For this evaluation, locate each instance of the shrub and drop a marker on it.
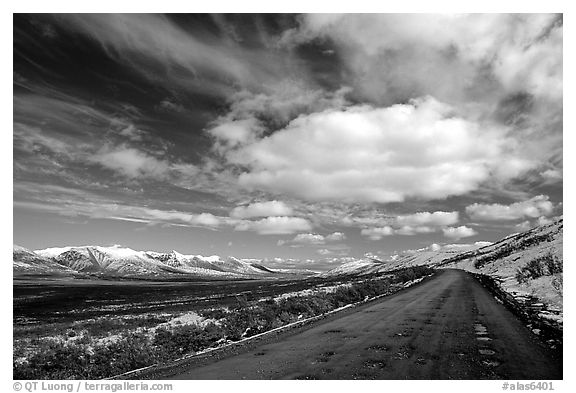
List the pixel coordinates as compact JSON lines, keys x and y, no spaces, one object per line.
{"x":545,"y":265}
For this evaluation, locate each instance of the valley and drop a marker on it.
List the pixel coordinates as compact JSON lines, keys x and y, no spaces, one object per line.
{"x":76,"y":307}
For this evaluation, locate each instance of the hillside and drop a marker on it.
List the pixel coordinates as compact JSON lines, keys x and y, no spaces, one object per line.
{"x":527,"y":265}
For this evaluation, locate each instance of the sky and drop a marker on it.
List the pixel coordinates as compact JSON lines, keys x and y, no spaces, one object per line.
{"x":306,"y":138}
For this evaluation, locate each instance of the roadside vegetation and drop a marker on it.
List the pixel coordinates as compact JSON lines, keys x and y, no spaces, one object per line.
{"x":545,"y":265}
{"x":100,"y":348}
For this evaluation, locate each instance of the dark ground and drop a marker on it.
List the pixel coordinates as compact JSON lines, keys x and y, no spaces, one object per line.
{"x":448,"y":327}
{"x":67,"y":300}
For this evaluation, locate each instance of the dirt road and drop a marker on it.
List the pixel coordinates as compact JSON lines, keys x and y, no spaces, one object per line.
{"x":449,"y":327}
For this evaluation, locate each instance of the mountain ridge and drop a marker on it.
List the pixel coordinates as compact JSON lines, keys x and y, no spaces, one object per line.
{"x":126,"y":262}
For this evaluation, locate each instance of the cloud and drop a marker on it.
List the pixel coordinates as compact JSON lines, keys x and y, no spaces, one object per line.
{"x":262,"y":209}
{"x":427,"y":218}
{"x":454,"y":57}
{"x":71,"y":202}
{"x":313,"y":239}
{"x":459,"y":232}
{"x":528,"y":224}
{"x":523,"y":226}
{"x":412,"y":230}
{"x":275,"y":225}
{"x":461,"y":247}
{"x":131,"y":162}
{"x":336,"y":237}
{"x":365,"y":154}
{"x":552,"y":175}
{"x":251,"y":113}
{"x":408,"y":225}
{"x":309,"y":238}
{"x":155,"y":45}
{"x":532,"y":208}
{"x":378,"y":233}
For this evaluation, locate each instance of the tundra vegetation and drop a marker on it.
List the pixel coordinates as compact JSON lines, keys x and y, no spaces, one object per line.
{"x":105,"y":346}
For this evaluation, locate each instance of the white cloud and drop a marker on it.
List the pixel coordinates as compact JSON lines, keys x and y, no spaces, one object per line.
{"x":458,"y":232}
{"x":427,"y":218}
{"x":412,"y":224}
{"x":532,"y":208}
{"x":146,"y":41}
{"x":377,"y":233}
{"x":365,"y":154}
{"x":313,"y":239}
{"x":459,"y":247}
{"x":412,"y":230}
{"x":275,"y":225}
{"x":544,"y":220}
{"x":309,"y":238}
{"x":235,"y":133}
{"x":523,"y":226}
{"x":450,"y":56}
{"x":552,"y":175}
{"x":262,"y":209}
{"x":131,"y":162}
{"x":336,"y":237}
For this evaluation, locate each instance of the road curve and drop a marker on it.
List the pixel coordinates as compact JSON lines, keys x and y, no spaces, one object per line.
{"x":448,"y":327}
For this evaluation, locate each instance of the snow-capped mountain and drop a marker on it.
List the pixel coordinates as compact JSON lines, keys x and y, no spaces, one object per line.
{"x":28,"y":262}
{"x":126,"y":262}
{"x":356,"y":267}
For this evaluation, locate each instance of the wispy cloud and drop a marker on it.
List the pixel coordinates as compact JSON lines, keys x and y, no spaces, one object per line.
{"x":179,"y":55}
{"x":262,"y":209}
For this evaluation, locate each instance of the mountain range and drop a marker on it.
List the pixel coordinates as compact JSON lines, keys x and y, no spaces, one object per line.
{"x":117,"y":261}
{"x":502,"y":259}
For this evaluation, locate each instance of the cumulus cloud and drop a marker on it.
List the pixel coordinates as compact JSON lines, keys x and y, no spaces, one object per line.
{"x":532,"y":208}
{"x":336,"y":237}
{"x":378,"y":233}
{"x":131,"y":162}
{"x":366,"y":154}
{"x":262,"y":209}
{"x":313,"y":239}
{"x":275,"y":225}
{"x":459,"y":232}
{"x":309,"y":238}
{"x":412,"y":224}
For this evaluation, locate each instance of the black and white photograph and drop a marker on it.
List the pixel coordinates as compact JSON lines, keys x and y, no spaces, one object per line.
{"x":287,"y":196}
